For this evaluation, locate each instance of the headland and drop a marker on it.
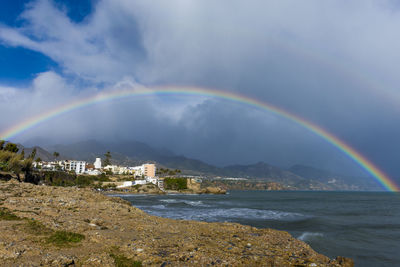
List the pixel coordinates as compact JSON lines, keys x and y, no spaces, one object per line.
{"x":67,"y":226}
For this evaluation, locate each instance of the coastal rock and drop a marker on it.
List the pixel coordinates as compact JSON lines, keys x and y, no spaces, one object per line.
{"x":113,"y":231}
{"x":214,"y":190}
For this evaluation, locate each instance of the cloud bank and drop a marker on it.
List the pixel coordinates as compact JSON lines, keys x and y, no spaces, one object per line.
{"x":332,"y":62}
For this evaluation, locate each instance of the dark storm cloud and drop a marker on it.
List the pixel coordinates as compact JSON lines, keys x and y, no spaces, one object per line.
{"x":332,"y":62}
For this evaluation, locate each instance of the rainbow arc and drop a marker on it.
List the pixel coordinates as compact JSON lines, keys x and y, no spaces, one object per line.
{"x":352,"y":153}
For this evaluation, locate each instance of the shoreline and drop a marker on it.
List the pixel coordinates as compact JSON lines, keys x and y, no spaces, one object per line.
{"x":114,"y":229}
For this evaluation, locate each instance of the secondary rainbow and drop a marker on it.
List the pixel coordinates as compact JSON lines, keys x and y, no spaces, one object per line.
{"x":362,"y":161}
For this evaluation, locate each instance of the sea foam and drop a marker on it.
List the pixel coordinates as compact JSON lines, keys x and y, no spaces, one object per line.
{"x":307,"y":236}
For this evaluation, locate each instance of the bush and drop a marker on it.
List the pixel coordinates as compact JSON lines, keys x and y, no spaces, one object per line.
{"x":102,"y":178}
{"x":64,"y":238}
{"x":37,"y":228}
{"x":7,"y":215}
{"x":122,"y":261}
{"x":83,"y":180}
{"x":175,"y":183}
{"x":58,"y":178}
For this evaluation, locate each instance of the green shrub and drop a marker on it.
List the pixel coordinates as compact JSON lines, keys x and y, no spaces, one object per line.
{"x":175,"y":183}
{"x":58,"y":178}
{"x":83,"y":180}
{"x":7,"y":215}
{"x":37,"y":228}
{"x":122,"y":261}
{"x":102,"y":178}
{"x":64,"y":238}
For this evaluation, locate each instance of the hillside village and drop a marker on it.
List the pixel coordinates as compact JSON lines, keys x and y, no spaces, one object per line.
{"x":143,"y":174}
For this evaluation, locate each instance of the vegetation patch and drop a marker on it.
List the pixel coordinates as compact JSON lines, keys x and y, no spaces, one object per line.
{"x":64,"y":238}
{"x":37,"y":228}
{"x":7,"y":215}
{"x":122,"y":261}
{"x":175,"y":183}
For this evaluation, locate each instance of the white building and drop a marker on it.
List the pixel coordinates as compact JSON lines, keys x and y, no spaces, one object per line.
{"x":78,"y":167}
{"x":113,"y":168}
{"x":97,"y":163}
{"x":148,"y":170}
{"x":152,"y":180}
{"x":93,"y":172}
{"x":139,"y":182}
{"x":50,"y":166}
{"x":125,"y":184}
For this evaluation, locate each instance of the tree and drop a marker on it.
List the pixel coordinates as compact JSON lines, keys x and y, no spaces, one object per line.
{"x":2,"y":144}
{"x":56,"y":155}
{"x":14,"y":165}
{"x":107,"y":161}
{"x":23,"y":153}
{"x":38,"y":159}
{"x":33,"y":154}
{"x":11,"y":147}
{"x":27,"y":170}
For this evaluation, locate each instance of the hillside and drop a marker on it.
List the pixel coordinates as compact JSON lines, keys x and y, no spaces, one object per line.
{"x":135,"y":153}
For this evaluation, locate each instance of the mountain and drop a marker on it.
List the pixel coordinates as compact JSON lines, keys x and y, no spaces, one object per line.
{"x":260,"y":170}
{"x":333,"y":179}
{"x":40,"y":152}
{"x":264,"y":171}
{"x":136,"y":153}
{"x":313,"y":173}
{"x":132,"y":153}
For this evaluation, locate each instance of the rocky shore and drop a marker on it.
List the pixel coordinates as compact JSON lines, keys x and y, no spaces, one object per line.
{"x":65,"y":226}
{"x":150,"y":189}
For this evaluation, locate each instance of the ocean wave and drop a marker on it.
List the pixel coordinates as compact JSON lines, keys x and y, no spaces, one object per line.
{"x":198,"y":203}
{"x":204,"y":214}
{"x":247,"y":213}
{"x":169,"y":200}
{"x":158,"y":207}
{"x":307,"y":236}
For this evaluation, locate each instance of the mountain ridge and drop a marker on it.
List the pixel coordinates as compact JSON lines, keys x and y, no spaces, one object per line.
{"x":135,"y":153}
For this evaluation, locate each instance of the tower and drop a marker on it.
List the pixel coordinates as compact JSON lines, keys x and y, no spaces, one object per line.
{"x":97,"y":163}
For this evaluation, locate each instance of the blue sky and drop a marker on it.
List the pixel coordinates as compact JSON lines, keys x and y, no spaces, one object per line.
{"x":333,"y":63}
{"x":18,"y":65}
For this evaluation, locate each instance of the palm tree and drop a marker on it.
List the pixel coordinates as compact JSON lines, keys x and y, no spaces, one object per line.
{"x":107,"y":161}
{"x":56,"y":155}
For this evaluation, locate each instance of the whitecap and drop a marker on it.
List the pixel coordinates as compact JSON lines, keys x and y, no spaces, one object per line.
{"x":206,"y":214}
{"x":306,"y":236}
{"x":198,"y":203}
{"x":169,"y":200}
{"x":158,"y":207}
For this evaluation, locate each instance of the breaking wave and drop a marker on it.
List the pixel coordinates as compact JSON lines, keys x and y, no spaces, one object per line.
{"x":187,"y":202}
{"x":307,"y":236}
{"x":222,"y":214}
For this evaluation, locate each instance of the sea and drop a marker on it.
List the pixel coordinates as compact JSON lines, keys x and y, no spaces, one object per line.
{"x":364,"y":226}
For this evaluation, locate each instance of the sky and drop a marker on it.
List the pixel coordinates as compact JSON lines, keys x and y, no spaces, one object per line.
{"x":334,"y":63}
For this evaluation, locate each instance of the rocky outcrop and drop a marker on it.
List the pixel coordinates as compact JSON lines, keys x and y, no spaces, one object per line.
{"x":114,"y":231}
{"x":214,"y":190}
{"x":149,"y":189}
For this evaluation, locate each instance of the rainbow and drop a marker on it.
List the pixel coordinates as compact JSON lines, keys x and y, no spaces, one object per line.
{"x":362,"y":161}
